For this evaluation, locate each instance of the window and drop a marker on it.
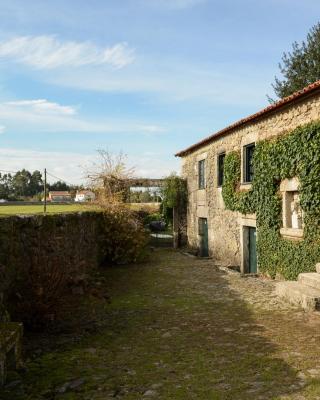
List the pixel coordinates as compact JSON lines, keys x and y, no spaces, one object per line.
{"x":220,"y":168}
{"x":292,"y":216}
{"x":201,"y":170}
{"x":292,"y":213}
{"x":248,"y":163}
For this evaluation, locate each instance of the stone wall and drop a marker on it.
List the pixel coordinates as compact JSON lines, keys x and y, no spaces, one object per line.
{"x":224,"y":225}
{"x":72,"y":239}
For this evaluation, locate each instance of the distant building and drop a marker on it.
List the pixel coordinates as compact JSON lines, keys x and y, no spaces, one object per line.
{"x":83,"y":196}
{"x":60,"y":197}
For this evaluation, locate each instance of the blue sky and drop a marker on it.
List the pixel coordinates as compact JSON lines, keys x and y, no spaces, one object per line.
{"x":146,"y":77}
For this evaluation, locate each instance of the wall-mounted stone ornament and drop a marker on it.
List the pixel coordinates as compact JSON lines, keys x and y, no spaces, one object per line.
{"x":292,"y":214}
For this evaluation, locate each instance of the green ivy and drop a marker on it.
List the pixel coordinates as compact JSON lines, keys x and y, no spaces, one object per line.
{"x":235,"y":199}
{"x":174,"y":191}
{"x":174,"y":195}
{"x":295,"y":154}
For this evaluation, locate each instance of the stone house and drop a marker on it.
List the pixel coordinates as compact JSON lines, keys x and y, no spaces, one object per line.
{"x":83,"y":196}
{"x":229,"y":237}
{"x":59,"y":197}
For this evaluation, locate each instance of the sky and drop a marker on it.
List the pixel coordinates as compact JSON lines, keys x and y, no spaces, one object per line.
{"x":143,"y":77}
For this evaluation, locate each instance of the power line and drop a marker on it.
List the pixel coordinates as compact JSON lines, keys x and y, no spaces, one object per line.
{"x":60,"y":179}
{"x":9,"y":172}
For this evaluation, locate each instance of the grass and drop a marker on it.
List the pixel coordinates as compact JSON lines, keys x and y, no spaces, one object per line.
{"x":38,"y":209}
{"x":176,"y":328}
{"x":66,"y":208}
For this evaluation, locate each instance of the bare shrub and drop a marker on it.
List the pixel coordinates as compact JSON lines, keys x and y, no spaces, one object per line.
{"x":124,"y":237}
{"x":110,"y":177}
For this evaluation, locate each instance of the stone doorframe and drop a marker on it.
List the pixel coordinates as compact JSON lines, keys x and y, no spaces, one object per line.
{"x":245,"y":222}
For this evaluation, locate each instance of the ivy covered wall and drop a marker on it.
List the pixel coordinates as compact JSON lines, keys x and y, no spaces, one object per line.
{"x":296,"y":154}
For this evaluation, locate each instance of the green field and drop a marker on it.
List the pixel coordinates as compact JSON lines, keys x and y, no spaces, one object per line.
{"x":38,"y":209}
{"x":21,"y":209}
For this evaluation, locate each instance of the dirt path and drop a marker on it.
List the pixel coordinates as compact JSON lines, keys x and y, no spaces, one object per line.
{"x":178,"y":328}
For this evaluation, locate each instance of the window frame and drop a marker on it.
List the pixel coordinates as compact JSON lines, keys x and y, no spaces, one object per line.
{"x":220,"y":174}
{"x":248,"y":172}
{"x":202,"y":174}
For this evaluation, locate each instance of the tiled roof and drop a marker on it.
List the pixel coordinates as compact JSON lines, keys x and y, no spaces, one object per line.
{"x":84,"y":191}
{"x":59,"y":193}
{"x":265,"y":111}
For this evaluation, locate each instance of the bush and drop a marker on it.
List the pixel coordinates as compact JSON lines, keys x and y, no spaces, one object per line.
{"x":124,"y":238}
{"x":152,"y":217}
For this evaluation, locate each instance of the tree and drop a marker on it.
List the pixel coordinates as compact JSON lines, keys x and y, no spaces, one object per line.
{"x":5,"y":186}
{"x":21,"y":183}
{"x":110,"y":177}
{"x":35,"y":185}
{"x":174,"y":195}
{"x":301,"y":66}
{"x":59,"y":186}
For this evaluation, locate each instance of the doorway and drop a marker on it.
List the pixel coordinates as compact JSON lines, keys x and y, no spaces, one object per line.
{"x":253,"y":251}
{"x":250,"y":265}
{"x":203,"y":235}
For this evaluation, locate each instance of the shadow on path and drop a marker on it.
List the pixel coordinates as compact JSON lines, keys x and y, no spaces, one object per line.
{"x":174,"y":330}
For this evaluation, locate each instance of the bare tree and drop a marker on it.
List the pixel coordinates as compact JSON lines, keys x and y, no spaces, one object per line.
{"x":110,"y":177}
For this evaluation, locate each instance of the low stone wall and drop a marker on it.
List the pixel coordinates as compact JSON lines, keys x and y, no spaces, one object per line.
{"x":72,"y":239}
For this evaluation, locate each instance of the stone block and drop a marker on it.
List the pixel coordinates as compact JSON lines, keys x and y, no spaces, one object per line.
{"x":311,"y":279}
{"x":295,"y":293}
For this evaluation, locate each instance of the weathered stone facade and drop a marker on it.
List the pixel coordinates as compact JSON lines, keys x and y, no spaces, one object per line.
{"x":225,"y":228}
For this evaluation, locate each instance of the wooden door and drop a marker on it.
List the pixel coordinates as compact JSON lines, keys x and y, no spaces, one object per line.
{"x":252,"y":251}
{"x":203,"y":234}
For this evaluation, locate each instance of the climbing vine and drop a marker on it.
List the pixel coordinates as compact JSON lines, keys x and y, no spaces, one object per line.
{"x":296,"y":154}
{"x":235,"y":199}
{"x":174,"y":194}
{"x":174,"y":190}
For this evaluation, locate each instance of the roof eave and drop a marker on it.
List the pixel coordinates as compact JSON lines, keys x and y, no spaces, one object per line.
{"x":297,"y":96}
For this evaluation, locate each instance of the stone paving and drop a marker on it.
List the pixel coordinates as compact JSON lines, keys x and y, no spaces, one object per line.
{"x":176,"y":328}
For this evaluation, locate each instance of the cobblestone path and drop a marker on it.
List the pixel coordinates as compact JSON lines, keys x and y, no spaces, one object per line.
{"x":176,"y":328}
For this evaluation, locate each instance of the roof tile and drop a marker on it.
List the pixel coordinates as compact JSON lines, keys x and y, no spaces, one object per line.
{"x":279,"y":104}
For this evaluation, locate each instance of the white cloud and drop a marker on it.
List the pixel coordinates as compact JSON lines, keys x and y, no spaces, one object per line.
{"x":2,"y":129}
{"x":68,"y":166}
{"x":47,"y":52}
{"x":45,"y":116}
{"x":175,"y":81}
{"x":43,"y":106}
{"x":71,"y":167}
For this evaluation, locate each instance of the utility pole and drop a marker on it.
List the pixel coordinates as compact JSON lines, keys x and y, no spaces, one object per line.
{"x":45,"y":191}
